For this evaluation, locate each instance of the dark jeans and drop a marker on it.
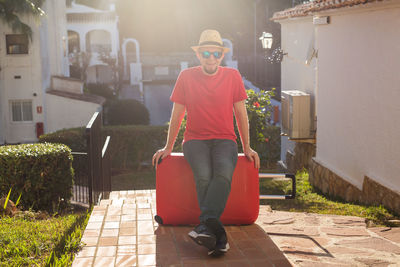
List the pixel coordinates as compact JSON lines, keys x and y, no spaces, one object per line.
{"x":212,"y":162}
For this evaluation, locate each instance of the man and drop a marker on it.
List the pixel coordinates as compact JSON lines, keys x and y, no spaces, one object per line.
{"x":210,"y":94}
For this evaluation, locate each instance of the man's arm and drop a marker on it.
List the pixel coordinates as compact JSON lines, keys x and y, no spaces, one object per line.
{"x":178,"y":112}
{"x":243,"y":125}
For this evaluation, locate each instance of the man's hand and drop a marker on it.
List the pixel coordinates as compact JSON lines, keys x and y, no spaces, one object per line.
{"x":243,"y":126}
{"x":161,"y":153}
{"x":252,"y":156}
{"x":178,"y":111}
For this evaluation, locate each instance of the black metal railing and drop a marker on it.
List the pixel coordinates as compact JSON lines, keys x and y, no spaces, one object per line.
{"x":99,"y":176}
{"x":93,"y":167}
{"x":106,"y":168}
{"x":81,"y":175}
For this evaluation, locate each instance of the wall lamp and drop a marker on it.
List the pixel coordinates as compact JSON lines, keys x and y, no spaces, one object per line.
{"x":277,"y":54}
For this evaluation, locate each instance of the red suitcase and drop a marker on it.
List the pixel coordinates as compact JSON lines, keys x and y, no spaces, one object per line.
{"x":176,"y":196}
{"x":177,"y":199}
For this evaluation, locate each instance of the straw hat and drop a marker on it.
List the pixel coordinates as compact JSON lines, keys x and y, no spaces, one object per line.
{"x":210,"y":38}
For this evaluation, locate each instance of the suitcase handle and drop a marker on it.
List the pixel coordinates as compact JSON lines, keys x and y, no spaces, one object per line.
{"x":280,"y":176}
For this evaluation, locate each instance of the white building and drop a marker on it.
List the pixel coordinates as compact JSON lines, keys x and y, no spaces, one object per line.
{"x":353,"y":81}
{"x":33,"y":97}
{"x":93,"y":31}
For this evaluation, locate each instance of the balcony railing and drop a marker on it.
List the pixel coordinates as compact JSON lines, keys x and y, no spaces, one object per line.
{"x":100,"y":48}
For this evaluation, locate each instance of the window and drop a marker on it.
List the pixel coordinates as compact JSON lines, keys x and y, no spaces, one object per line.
{"x":21,"y":110}
{"x":17,"y":44}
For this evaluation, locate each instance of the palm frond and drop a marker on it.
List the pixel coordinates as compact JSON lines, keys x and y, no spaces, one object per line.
{"x":10,"y":9}
{"x":17,"y":25}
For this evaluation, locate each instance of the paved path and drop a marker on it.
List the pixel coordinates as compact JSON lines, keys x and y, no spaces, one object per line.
{"x":121,"y":232}
{"x":309,"y":239}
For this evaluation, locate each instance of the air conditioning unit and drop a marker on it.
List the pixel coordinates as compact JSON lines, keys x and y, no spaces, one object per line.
{"x":296,"y":117}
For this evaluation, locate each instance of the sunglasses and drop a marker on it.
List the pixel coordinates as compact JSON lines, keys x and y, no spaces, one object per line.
{"x":207,"y":54}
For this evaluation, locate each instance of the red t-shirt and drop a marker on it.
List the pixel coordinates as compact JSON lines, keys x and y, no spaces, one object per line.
{"x":209,"y":102}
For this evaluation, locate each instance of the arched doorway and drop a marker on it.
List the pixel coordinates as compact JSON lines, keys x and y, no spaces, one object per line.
{"x":73,"y":53}
{"x":130,"y":53}
{"x":73,"y":42}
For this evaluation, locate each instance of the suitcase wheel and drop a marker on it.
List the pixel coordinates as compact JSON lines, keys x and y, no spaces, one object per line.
{"x":158,"y":219}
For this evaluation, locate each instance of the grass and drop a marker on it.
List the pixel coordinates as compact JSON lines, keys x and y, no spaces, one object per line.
{"x":308,"y":199}
{"x":134,"y":180}
{"x":31,"y":239}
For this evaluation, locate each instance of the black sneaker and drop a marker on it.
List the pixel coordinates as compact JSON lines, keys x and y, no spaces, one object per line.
{"x":202,"y":236}
{"x":221,"y":247}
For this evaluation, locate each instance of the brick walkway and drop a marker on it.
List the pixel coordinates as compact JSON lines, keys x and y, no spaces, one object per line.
{"x":121,"y":232}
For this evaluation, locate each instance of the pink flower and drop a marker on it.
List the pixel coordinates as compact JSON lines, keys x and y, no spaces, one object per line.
{"x":256,"y":104}
{"x":266,"y":139}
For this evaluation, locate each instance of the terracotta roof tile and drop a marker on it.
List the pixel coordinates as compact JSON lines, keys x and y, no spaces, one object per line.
{"x":317,"y":5}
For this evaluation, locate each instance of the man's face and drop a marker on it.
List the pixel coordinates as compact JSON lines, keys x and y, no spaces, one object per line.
{"x":210,"y":64}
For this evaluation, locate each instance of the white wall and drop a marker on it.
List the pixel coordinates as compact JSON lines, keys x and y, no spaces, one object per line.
{"x":69,"y":85}
{"x":23,"y":88}
{"x":359,"y":96}
{"x":68,"y":113}
{"x":28,"y":68}
{"x":45,"y":58}
{"x":296,"y":38}
{"x":84,"y":28}
{"x":56,"y":47}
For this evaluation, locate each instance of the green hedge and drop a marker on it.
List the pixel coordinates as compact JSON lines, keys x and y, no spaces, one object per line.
{"x":75,"y":139}
{"x":133,"y":145}
{"x":100,"y":89}
{"x":127,"y":112}
{"x":41,"y":173}
{"x":268,"y":147}
{"x":130,"y":145}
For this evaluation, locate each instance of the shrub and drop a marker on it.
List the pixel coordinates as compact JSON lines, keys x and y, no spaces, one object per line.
{"x":100,"y":89}
{"x":179,"y":139}
{"x":258,"y":107}
{"x":264,"y":138}
{"x":75,"y":139}
{"x":269,"y":149}
{"x":41,"y":172}
{"x":127,"y":111}
{"x":130,"y":145}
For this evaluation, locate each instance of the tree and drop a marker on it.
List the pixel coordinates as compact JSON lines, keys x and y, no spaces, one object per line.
{"x":10,"y":10}
{"x":79,"y":62}
{"x":116,"y":68}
